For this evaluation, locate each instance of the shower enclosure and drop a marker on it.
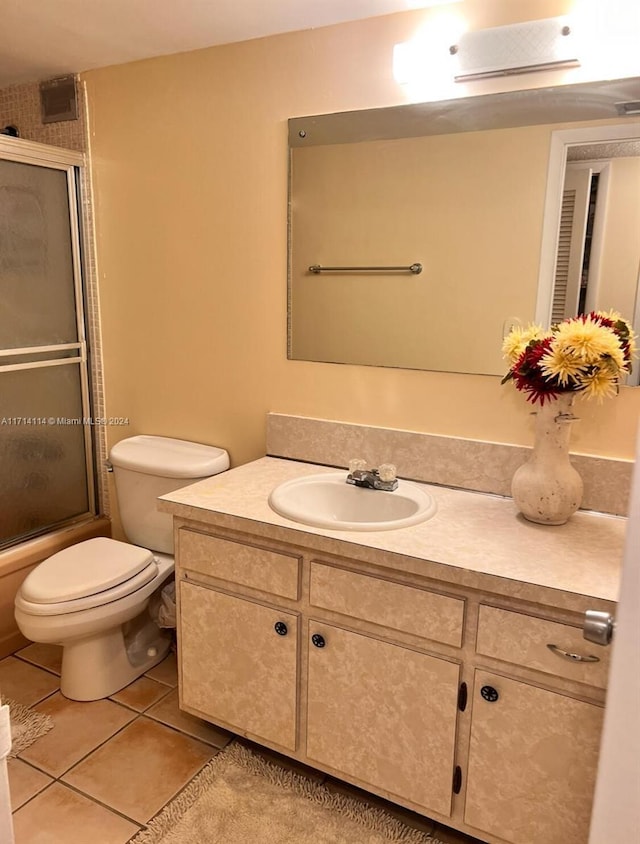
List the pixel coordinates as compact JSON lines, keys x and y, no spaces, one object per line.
{"x":46,"y":450}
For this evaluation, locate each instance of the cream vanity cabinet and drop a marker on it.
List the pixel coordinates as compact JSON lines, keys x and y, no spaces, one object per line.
{"x":248,"y":653}
{"x":379,"y":712}
{"x":382,"y":714}
{"x":533,"y":750}
{"x":239,"y":656}
{"x":423,"y":692}
{"x":532,"y":762}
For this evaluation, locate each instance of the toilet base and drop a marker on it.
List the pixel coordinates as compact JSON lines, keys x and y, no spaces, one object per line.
{"x":97,"y":666}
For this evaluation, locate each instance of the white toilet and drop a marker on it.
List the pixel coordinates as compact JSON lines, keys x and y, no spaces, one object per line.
{"x":92,"y":598}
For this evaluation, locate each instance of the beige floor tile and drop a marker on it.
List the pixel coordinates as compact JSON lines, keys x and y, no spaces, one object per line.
{"x":138,"y":771}
{"x":168,"y":712}
{"x":24,"y":682}
{"x":60,"y":816}
{"x":45,"y":656}
{"x":78,"y":728}
{"x":24,"y":782}
{"x":141,"y":694}
{"x":166,"y":671}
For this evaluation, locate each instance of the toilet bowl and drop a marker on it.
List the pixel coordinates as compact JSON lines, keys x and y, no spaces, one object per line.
{"x":68,"y":601}
{"x":93,"y":597}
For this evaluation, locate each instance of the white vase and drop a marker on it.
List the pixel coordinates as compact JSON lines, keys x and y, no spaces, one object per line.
{"x":547,"y":489}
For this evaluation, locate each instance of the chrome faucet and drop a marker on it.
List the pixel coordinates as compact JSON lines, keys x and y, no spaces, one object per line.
{"x":384,"y":477}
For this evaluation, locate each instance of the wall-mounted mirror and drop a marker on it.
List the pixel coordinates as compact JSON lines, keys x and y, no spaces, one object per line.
{"x":461,"y":188}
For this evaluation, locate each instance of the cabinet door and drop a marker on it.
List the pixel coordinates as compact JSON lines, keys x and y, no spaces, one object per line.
{"x":532,"y":763}
{"x":383,"y":714}
{"x":236,"y":667}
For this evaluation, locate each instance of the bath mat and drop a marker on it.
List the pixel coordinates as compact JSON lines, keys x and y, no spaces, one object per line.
{"x":240,"y":797}
{"x":26,"y":726}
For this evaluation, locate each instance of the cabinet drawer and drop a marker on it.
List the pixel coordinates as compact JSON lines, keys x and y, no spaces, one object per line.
{"x":393,"y":605}
{"x":269,"y":571}
{"x":523,"y":639}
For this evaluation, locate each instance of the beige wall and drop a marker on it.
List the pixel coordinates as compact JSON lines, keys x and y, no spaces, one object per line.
{"x":469,"y":206}
{"x":620,"y":259}
{"x":190,"y":177}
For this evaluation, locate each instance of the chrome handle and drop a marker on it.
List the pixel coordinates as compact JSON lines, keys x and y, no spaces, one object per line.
{"x":573,"y":657}
{"x":598,"y":627}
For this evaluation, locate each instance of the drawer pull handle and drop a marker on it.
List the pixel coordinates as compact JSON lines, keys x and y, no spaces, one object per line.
{"x":573,"y":657}
{"x":281,"y":628}
{"x":318,"y":641}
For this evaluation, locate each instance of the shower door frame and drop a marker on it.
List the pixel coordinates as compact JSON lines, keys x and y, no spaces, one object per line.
{"x":70,"y":162}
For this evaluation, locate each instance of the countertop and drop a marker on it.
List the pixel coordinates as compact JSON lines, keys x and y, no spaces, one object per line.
{"x":475,"y":539}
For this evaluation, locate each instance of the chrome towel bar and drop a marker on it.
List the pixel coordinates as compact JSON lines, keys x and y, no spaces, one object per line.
{"x":416,"y":269}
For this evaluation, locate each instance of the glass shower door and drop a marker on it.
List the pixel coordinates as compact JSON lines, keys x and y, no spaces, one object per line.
{"x":46,"y":474}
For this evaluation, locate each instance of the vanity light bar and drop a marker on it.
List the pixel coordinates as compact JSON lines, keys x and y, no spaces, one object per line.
{"x":518,"y":48}
{"x":531,"y":68}
{"x":416,"y":269}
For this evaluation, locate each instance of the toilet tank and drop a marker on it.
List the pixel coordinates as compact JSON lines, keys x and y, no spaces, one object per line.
{"x":145,"y":467}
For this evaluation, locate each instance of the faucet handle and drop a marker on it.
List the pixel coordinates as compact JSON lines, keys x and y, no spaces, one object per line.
{"x":356,"y":464}
{"x":387,"y":472}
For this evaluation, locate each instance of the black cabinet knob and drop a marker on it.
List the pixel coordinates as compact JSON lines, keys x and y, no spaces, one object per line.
{"x":489,"y":694}
{"x":281,"y":628}
{"x":318,"y":640}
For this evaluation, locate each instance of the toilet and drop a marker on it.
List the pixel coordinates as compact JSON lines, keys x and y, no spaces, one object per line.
{"x":92,"y":598}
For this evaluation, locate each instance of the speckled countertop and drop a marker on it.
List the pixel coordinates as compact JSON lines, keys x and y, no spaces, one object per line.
{"x":474,"y":539}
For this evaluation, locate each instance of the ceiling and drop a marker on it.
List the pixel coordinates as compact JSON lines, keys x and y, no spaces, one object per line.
{"x":46,"y":38}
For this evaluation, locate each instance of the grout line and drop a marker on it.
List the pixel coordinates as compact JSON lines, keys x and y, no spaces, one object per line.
{"x":82,"y":758}
{"x":183,"y":733}
{"x":97,"y":747}
{"x":33,"y":796}
{"x":186,"y":785}
{"x":131,"y":707}
{"x":139,"y":824}
{"x":36,"y":664}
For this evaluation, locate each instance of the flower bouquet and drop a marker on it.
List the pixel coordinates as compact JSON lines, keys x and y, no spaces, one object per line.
{"x":588,"y":354}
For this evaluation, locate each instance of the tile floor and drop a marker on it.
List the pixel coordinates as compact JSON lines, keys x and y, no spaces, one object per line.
{"x":108,"y":766}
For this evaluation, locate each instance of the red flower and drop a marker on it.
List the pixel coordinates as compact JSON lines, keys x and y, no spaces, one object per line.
{"x":528,"y":376}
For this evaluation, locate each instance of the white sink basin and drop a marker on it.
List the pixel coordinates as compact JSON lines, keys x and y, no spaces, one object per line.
{"x":328,"y":501}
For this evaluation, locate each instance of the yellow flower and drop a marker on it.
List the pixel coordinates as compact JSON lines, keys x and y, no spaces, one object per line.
{"x":599,"y":384}
{"x":518,"y":339}
{"x":589,"y":342}
{"x":561,"y":363}
{"x":631,"y":338}
{"x":614,"y":316}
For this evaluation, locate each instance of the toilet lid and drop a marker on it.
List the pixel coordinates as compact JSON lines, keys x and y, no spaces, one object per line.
{"x":85,"y":569}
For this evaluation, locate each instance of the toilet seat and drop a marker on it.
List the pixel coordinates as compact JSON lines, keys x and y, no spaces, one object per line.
{"x":89,"y":574}
{"x":91,"y":601}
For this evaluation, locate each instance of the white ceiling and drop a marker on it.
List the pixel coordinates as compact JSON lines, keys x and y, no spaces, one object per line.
{"x":40,"y":39}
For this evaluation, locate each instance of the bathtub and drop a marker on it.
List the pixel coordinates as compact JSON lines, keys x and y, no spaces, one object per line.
{"x":17,"y":562}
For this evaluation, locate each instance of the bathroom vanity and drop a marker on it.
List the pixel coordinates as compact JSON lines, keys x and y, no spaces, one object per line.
{"x":414,"y":663}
